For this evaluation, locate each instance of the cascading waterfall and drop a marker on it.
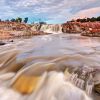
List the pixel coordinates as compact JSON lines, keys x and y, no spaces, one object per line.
{"x":50,"y":28}
{"x":36,"y":27}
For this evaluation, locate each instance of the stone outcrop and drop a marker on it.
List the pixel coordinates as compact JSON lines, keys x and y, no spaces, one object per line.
{"x":14,"y":29}
{"x":86,"y":29}
{"x":15,"y":26}
{"x":91,"y":29}
{"x":5,"y":35}
{"x":71,"y":27}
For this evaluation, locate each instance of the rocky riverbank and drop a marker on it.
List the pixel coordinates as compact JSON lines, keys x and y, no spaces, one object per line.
{"x":92,"y":29}
{"x":86,"y":29}
{"x":71,"y":27}
{"x":10,"y":30}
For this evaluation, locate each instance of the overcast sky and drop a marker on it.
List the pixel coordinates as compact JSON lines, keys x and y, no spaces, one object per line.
{"x":51,"y":11}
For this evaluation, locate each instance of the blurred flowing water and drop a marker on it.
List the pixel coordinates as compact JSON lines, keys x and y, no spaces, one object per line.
{"x":45,"y":59}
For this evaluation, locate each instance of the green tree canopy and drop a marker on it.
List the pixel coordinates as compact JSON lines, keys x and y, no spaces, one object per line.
{"x":13,"y":20}
{"x":19,"y":19}
{"x":98,"y":18}
{"x":93,"y":19}
{"x":26,"y":20}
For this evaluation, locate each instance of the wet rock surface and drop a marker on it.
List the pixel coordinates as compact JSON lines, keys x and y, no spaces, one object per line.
{"x":91,"y":29}
{"x":97,"y":88}
{"x":2,"y":43}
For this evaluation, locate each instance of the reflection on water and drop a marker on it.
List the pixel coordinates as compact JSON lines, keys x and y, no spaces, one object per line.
{"x":46,"y":67}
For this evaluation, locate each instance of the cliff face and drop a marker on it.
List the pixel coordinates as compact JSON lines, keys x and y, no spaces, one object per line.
{"x":15,"y":29}
{"x":5,"y":35}
{"x":71,"y":27}
{"x":11,"y":29}
{"x":9,"y":26}
{"x":86,"y":29}
{"x":91,"y":29}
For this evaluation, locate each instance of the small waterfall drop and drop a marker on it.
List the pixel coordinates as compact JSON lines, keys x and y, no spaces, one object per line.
{"x":49,"y":28}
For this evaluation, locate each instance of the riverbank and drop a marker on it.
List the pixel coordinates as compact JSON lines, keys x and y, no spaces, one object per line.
{"x":91,"y":29}
{"x":11,"y":30}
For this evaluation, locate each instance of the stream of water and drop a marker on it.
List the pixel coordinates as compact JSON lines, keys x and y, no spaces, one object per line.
{"x":48,"y":67}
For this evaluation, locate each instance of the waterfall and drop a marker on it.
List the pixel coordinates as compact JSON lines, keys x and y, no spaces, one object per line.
{"x":35,"y":27}
{"x":53,"y":28}
{"x":50,"y":28}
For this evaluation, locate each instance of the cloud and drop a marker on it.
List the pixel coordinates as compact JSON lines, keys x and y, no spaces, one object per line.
{"x":88,"y":13}
{"x":50,"y":10}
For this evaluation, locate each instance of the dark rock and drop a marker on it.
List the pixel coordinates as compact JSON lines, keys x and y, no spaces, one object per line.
{"x":2,"y":43}
{"x":11,"y":41}
{"x":97,"y":88}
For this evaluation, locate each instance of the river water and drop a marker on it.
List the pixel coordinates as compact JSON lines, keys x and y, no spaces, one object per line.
{"x":45,"y":60}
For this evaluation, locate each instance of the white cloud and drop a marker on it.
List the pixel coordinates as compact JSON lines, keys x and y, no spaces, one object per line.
{"x":50,"y":9}
{"x":88,"y":13}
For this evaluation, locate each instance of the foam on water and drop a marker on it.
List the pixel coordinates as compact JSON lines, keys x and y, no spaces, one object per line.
{"x":48,"y":57}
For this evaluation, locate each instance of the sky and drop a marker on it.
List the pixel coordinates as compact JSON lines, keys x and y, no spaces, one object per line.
{"x":50,"y":11}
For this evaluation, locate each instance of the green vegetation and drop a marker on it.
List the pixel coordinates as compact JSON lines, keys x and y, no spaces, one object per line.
{"x":93,"y":19}
{"x":13,"y":20}
{"x":42,"y":23}
{"x":26,"y":20}
{"x":22,"y":20}
{"x":19,"y":19}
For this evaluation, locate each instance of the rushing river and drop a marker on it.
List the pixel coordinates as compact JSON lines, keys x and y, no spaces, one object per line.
{"x":48,"y":67}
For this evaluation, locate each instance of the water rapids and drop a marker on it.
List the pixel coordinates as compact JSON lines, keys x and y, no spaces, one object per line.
{"x":50,"y":67}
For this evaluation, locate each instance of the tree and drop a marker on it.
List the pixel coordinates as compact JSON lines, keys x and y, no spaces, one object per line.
{"x":7,"y":20}
{"x":26,"y":20}
{"x":13,"y":20}
{"x":42,"y":22}
{"x":88,"y":19}
{"x":83,"y":20}
{"x":98,"y":18}
{"x":19,"y":19}
{"x":78,"y":20}
{"x":93,"y":19}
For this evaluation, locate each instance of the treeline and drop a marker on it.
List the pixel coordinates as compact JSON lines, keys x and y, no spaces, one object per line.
{"x":19,"y":19}
{"x":93,"y":19}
